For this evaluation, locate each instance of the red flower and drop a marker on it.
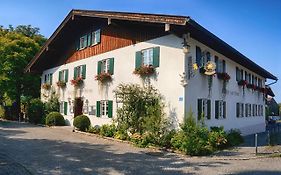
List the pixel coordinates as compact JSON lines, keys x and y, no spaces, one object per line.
{"x":242,"y":83}
{"x":102,"y":77}
{"x":77,"y":82}
{"x":223,"y":76}
{"x":144,"y":70}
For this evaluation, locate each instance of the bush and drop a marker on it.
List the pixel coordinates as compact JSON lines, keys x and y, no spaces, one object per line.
{"x":2,"y":112}
{"x":121,"y":134}
{"x":82,"y":122}
{"x":108,"y":130}
{"x":234,"y":138}
{"x":35,"y":111}
{"x":94,"y":130}
{"x":52,"y":105}
{"x":217,"y":138}
{"x":55,"y":119}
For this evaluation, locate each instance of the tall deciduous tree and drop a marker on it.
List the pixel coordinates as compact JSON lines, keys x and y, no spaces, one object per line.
{"x":17,"y":47}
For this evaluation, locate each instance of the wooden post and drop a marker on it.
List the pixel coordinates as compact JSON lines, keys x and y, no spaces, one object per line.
{"x":256,"y":143}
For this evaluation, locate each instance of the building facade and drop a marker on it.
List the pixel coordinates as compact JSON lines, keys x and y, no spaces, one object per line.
{"x":93,"y":52}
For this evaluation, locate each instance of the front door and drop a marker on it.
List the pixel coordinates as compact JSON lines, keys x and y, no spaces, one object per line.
{"x":78,"y":106}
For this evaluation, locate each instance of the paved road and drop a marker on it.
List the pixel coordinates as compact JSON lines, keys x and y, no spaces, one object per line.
{"x":27,"y":149}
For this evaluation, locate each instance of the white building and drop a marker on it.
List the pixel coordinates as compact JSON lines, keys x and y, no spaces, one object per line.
{"x":88,"y":43}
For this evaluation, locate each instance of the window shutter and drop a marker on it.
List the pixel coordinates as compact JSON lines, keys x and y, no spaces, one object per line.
{"x":217,"y":109}
{"x":138,"y":60}
{"x":237,"y":74}
{"x":60,"y":75}
{"x":89,"y":39}
{"x":208,"y":56}
{"x":65,"y":108}
{"x":85,"y":41}
{"x":98,"y":109}
{"x":156,"y":55}
{"x":45,"y":78}
{"x":209,"y":109}
{"x":77,"y":44}
{"x":199,"y":108}
{"x":110,"y":109}
{"x":241,"y":75}
{"x":217,"y":64}
{"x":198,"y":56}
{"x":66,"y":75}
{"x":75,"y":73}
{"x":223,"y":66}
{"x":111,"y":66}
{"x":224,"y":109}
{"x":99,"y":67}
{"x":237,"y":110}
{"x":242,"y":109}
{"x":51,"y":79}
{"x":84,"y":71}
{"x":98,"y":36}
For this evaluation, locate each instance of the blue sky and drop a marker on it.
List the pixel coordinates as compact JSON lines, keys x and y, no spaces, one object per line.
{"x":253,"y":27}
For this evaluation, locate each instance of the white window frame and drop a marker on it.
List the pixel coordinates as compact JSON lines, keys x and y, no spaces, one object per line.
{"x":104,"y":108}
{"x":63,"y":75}
{"x":204,"y":108}
{"x":105,"y":65}
{"x":221,"y":109}
{"x":82,"y":41}
{"x":147,"y":56}
{"x":79,"y":70}
{"x":47,"y":78}
{"x":61,"y":107}
{"x":241,"y":110}
{"x":94,"y":37}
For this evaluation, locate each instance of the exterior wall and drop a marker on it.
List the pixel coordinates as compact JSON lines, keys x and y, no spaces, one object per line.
{"x":168,"y":81}
{"x":198,"y":88}
{"x":167,"y":78}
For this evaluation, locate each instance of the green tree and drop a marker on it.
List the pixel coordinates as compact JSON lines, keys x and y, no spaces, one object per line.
{"x":17,"y":47}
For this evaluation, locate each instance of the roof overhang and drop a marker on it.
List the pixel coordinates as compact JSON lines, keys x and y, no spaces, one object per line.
{"x":176,"y":24}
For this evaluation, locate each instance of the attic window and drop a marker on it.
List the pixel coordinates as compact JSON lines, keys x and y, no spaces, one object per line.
{"x":90,"y":39}
{"x":96,"y":37}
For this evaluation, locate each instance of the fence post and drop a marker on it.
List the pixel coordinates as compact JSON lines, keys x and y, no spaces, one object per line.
{"x":268,"y":137}
{"x":256,"y":143}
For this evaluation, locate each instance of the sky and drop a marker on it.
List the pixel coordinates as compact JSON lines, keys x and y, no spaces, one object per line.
{"x":253,"y":27}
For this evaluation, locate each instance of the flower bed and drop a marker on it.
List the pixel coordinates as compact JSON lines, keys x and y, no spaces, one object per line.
{"x":77,"y":82}
{"x":103,"y":77}
{"x":223,"y":76}
{"x":144,"y":70}
{"x":61,"y":84}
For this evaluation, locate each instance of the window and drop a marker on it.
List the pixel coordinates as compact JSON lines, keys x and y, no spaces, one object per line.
{"x":248,"y":110}
{"x":63,"y":107}
{"x":239,"y":74}
{"x":239,"y":110}
{"x":204,"y":108}
{"x":95,"y":37}
{"x":104,"y":108}
{"x":48,"y":78}
{"x":220,"y":109}
{"x":198,"y":56}
{"x":255,"y":110}
{"x":148,"y":57}
{"x":63,"y":75}
{"x":106,"y":66}
{"x":80,"y":71}
{"x":249,"y":78}
{"x":220,"y":65}
{"x":83,"y":42}
{"x":259,"y":82}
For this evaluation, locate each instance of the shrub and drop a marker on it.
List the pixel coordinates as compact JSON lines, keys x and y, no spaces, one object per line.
{"x":94,"y":130}
{"x":234,"y":137}
{"x":165,"y":139}
{"x":108,"y":130}
{"x":121,"y":134}
{"x":55,"y":119}
{"x":52,"y":105}
{"x":82,"y":122}
{"x":2,"y":112}
{"x":35,"y":111}
{"x":217,"y":138}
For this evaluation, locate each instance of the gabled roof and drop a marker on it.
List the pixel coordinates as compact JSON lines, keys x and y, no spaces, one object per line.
{"x":180,"y":25}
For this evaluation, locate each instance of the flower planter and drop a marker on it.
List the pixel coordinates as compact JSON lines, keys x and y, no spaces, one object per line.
{"x":46,"y":86}
{"x":242,"y":83}
{"x":144,"y":70}
{"x":77,"y":82}
{"x":103,"y":77}
{"x":61,"y":84}
{"x":223,"y":76}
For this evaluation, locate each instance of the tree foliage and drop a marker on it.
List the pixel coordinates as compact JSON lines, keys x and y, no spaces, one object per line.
{"x":17,"y":47}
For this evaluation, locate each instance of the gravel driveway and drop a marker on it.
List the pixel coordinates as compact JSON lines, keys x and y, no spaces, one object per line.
{"x":30,"y":149}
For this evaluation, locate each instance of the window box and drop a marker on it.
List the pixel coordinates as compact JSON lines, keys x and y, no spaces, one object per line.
{"x":223,"y":76}
{"x":46,"y":86}
{"x":77,"y":82}
{"x":61,"y":84}
{"x":144,"y":70}
{"x":242,"y":83}
{"x":103,"y":77}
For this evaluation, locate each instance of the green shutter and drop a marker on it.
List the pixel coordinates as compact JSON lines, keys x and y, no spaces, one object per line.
{"x":98,"y":36}
{"x":89,"y":39}
{"x":223,"y":66}
{"x":224,"y":109}
{"x":66,"y":75}
{"x":65,"y":108}
{"x":75,"y":73}
{"x":217,"y":109}
{"x":85,"y":41}
{"x":111,"y":66}
{"x":237,"y":74}
{"x":110,"y":109}
{"x":237,"y":110}
{"x":51,"y":79}
{"x":209,"y":109}
{"x":98,"y":109}
{"x":84,"y":71}
{"x":60,"y":74}
{"x":77,"y":44}
{"x":156,"y":55}
{"x":138,"y":60}
{"x":99,"y":67}
{"x":199,"y":108}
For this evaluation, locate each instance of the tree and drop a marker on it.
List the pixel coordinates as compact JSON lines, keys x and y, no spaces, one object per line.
{"x":17,"y":47}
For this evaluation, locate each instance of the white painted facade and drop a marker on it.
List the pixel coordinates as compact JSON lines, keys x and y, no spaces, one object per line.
{"x":178,"y":99}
